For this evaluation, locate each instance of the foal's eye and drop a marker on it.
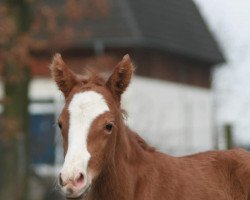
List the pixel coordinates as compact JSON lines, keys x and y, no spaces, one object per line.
{"x":109,"y":127}
{"x":60,"y":125}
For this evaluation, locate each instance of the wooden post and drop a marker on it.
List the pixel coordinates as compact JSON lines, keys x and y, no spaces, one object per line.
{"x":228,"y":136}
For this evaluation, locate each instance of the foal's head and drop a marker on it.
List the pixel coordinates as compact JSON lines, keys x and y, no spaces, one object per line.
{"x":88,"y":122}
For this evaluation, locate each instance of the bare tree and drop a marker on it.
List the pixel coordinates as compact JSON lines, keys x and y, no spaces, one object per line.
{"x":22,"y":22}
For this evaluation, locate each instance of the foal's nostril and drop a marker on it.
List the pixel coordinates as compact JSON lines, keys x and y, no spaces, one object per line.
{"x":80,"y":179}
{"x":77,"y":182}
{"x":70,"y":190}
{"x":61,"y":183}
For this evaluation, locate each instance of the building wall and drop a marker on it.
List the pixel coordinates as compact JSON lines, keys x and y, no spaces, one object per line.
{"x":175,"y":118}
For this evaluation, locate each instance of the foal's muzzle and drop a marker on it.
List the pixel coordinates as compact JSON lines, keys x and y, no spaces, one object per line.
{"x":74,"y":187}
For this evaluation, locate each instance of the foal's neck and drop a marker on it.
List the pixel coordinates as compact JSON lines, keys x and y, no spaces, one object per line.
{"x":118,"y":179}
{"x":131,"y":147}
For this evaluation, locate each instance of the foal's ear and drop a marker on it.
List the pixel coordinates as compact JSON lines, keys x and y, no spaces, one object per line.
{"x":63,"y":76}
{"x":121,"y":76}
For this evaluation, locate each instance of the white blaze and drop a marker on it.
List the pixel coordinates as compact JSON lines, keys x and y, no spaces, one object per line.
{"x":84,"y":108}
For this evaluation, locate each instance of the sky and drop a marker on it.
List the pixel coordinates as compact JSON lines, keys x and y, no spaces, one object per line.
{"x":229,"y":21}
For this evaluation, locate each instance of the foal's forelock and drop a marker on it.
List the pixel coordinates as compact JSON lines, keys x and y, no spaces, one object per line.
{"x":83,"y":109}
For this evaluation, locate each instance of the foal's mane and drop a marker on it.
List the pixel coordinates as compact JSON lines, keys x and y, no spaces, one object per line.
{"x":137,"y":139}
{"x":142,"y":143}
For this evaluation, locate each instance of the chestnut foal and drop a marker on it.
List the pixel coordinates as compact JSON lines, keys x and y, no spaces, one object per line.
{"x":105,"y":160}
